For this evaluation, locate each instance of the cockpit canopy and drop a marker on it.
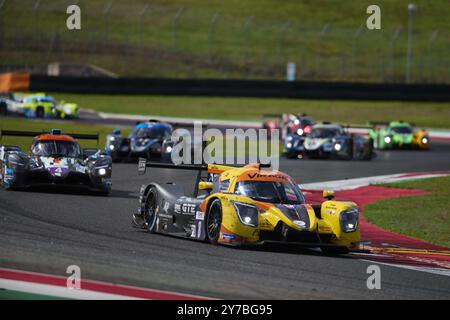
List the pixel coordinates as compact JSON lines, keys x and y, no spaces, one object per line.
{"x":156,"y":132}
{"x":270,"y":191}
{"x":326,"y":132}
{"x":56,"y":148}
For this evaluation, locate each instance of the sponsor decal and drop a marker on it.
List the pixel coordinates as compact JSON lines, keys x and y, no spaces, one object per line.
{"x":199,"y":215}
{"x":299,"y":223}
{"x":193,"y":231}
{"x":166,"y":206}
{"x":228,"y":236}
{"x":259,"y":175}
{"x":199,"y":229}
{"x":188,"y":208}
{"x":177,"y":208}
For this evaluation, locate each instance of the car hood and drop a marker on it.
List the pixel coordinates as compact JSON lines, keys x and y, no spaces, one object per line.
{"x":299,"y":216}
{"x":138,"y":144}
{"x":403,"y":137}
{"x":60,"y":167}
{"x":314,"y":143}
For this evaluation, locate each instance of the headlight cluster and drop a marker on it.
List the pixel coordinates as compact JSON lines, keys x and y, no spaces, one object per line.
{"x":349,"y":220}
{"x":247,"y":213}
{"x":387,"y":139}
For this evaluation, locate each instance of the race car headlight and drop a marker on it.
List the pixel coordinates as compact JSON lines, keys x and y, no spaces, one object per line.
{"x":111,"y":147}
{"x":300,"y":131}
{"x":424,"y":140}
{"x":349,"y":220}
{"x":112,"y":138}
{"x":289,"y":145}
{"x":387,"y":139}
{"x":247,"y":213}
{"x":337,"y":147}
{"x":102,"y":171}
{"x":169,"y":149}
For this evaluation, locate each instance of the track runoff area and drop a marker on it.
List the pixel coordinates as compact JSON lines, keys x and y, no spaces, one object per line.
{"x":415,"y":259}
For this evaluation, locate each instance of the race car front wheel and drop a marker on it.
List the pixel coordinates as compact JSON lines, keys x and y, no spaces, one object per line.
{"x":149,"y":211}
{"x":214,"y":221}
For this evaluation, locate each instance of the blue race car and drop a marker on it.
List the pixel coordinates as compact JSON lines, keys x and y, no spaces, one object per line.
{"x":327,"y":140}
{"x":149,"y":140}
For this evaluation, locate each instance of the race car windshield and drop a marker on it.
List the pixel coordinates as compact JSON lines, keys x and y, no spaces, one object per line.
{"x":151,"y":133}
{"x":324,"y":133}
{"x":402,"y":130}
{"x":270,"y":191}
{"x":54,"y":148}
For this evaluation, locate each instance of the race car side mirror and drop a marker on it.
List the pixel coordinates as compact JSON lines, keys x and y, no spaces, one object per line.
{"x":328,"y":194}
{"x":204,"y":185}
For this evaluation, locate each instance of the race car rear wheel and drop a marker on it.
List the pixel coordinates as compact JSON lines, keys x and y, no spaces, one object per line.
{"x":40,"y":113}
{"x":3,"y":109}
{"x":213,"y":221}
{"x":149,"y":212}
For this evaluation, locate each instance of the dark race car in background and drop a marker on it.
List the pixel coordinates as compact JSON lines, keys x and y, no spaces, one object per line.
{"x":148,"y":140}
{"x":300,"y":124}
{"x":327,"y":140}
{"x":54,"y":159}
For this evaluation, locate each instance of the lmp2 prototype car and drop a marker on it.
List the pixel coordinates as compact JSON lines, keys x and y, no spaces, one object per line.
{"x":243,"y":206}
{"x":11,"y":103}
{"x":148,"y":139}
{"x":54,"y":159}
{"x":398,"y":135}
{"x":41,"y":105}
{"x":327,"y":140}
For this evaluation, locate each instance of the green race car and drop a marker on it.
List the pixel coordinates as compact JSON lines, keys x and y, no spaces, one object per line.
{"x":41,"y":105}
{"x":398,"y":135}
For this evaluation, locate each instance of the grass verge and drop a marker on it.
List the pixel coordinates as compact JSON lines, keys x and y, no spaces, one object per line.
{"x":425,"y":217}
{"x":427,"y":114}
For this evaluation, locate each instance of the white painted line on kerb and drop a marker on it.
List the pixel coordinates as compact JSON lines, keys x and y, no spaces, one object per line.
{"x":58,"y":291}
{"x":350,"y":184}
{"x":438,"y":271}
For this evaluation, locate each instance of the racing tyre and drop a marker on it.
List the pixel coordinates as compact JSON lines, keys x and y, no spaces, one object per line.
{"x":213,"y":221}
{"x":149,"y":212}
{"x":40,"y":112}
{"x":3,"y":109}
{"x":334,"y":251}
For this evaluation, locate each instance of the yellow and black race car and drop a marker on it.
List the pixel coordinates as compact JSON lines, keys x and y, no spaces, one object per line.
{"x":246,"y":205}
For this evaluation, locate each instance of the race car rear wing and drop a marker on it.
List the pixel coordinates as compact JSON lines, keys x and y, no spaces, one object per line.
{"x":210,"y":168}
{"x":385,"y":123}
{"x":18,"y":133}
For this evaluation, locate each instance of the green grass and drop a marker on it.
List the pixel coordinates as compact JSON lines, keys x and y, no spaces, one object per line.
{"x":190,"y":47}
{"x":427,"y":114}
{"x":425,"y":217}
{"x":66,"y":127}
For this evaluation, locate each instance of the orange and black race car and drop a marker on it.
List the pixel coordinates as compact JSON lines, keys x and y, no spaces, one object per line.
{"x":54,"y":159}
{"x":246,"y":205}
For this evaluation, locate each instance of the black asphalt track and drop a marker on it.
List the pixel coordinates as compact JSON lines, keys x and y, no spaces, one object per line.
{"x":48,"y":230}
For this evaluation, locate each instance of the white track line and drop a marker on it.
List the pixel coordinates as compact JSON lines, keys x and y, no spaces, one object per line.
{"x":350,"y":184}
